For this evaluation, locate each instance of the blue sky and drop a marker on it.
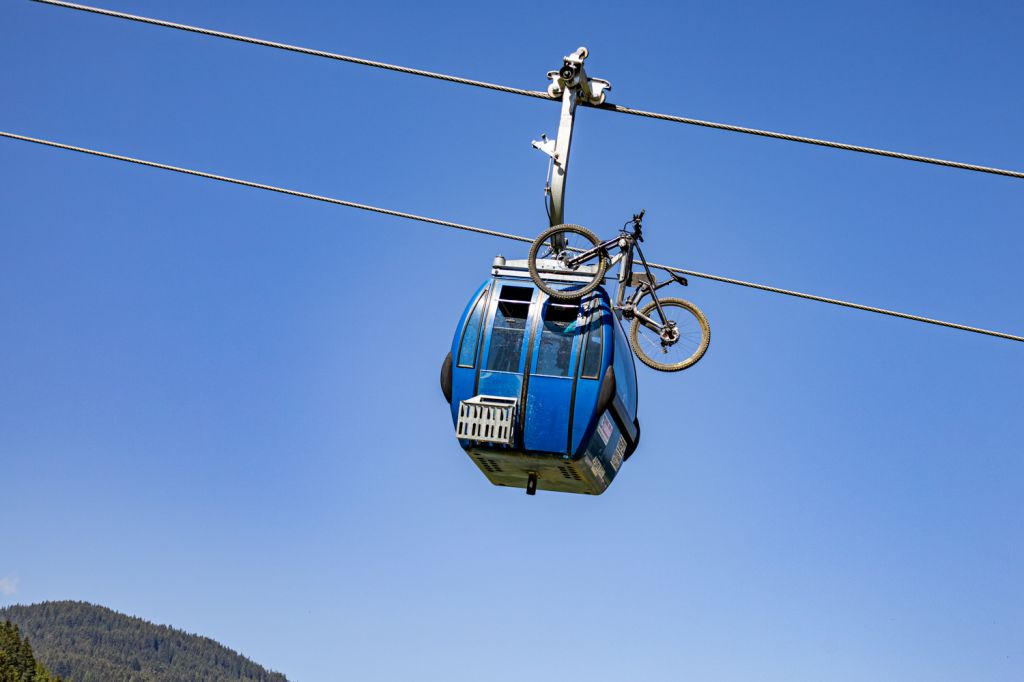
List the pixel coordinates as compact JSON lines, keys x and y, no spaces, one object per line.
{"x":219,"y":407}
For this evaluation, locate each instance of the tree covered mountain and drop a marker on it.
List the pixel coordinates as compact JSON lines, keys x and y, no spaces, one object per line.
{"x":83,"y":642}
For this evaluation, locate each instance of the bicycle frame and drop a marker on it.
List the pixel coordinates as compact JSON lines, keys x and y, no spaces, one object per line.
{"x":642,"y":283}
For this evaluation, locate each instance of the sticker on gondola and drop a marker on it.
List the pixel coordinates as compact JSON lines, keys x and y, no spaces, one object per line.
{"x":604,"y":428}
{"x":595,"y":467}
{"x":620,"y":452}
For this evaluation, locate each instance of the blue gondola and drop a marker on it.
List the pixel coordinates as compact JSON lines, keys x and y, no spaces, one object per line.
{"x":543,"y":392}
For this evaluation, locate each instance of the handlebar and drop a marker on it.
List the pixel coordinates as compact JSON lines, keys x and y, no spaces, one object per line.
{"x":638,"y":225}
{"x":638,"y":229}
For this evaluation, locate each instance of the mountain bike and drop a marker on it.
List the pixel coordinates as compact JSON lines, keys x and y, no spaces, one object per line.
{"x":667,"y":334}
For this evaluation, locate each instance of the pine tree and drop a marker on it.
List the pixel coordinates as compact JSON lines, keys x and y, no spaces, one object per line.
{"x":17,"y":663}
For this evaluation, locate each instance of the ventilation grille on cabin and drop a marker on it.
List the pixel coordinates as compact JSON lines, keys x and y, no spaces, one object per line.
{"x":569,"y":472}
{"x":489,"y":465}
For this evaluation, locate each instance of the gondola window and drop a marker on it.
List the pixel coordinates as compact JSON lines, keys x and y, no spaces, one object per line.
{"x":506,"y":346}
{"x":467,"y":352}
{"x":556,"y":339}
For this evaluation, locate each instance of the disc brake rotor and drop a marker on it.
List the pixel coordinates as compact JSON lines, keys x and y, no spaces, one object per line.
{"x":669,"y":335}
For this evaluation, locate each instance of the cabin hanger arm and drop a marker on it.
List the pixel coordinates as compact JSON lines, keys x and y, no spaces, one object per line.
{"x":571,"y":84}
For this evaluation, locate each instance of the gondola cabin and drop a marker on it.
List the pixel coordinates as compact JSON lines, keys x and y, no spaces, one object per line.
{"x":543,"y":392}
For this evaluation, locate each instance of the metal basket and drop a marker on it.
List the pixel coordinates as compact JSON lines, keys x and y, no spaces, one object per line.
{"x":487,"y":419}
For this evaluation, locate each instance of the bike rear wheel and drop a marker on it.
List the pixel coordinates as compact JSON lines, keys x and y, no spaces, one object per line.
{"x":548,"y":255}
{"x":681,"y":343}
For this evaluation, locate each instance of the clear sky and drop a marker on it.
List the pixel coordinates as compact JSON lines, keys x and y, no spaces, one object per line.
{"x":219,"y":408}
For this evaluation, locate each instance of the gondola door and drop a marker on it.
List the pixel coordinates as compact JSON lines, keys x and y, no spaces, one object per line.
{"x":503,"y":362}
{"x":552,"y":378}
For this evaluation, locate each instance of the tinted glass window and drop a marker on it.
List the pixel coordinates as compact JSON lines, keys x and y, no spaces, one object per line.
{"x":556,"y":338}
{"x":592,"y":357}
{"x":625,"y":373}
{"x":509,"y":329}
{"x":467,"y":351}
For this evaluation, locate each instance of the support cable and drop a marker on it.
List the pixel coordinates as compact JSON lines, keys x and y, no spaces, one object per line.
{"x":495,"y":233}
{"x":296,"y":48}
{"x":836,"y":301}
{"x":269,"y":188}
{"x":812,"y":140}
{"x":538,"y":94}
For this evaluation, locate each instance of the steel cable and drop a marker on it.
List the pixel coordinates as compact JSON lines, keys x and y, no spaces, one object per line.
{"x":296,"y":48}
{"x":536,"y":93}
{"x":496,"y":233}
{"x":813,"y":141}
{"x":269,"y":188}
{"x":836,"y":301}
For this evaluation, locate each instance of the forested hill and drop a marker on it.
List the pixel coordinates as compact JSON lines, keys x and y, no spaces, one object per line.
{"x":82,"y":642}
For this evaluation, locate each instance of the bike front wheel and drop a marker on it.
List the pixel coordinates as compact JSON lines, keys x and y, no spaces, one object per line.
{"x":550,"y":252}
{"x":680,"y":342}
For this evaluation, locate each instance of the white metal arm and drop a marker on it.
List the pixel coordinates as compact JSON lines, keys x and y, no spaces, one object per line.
{"x":570,"y":83}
